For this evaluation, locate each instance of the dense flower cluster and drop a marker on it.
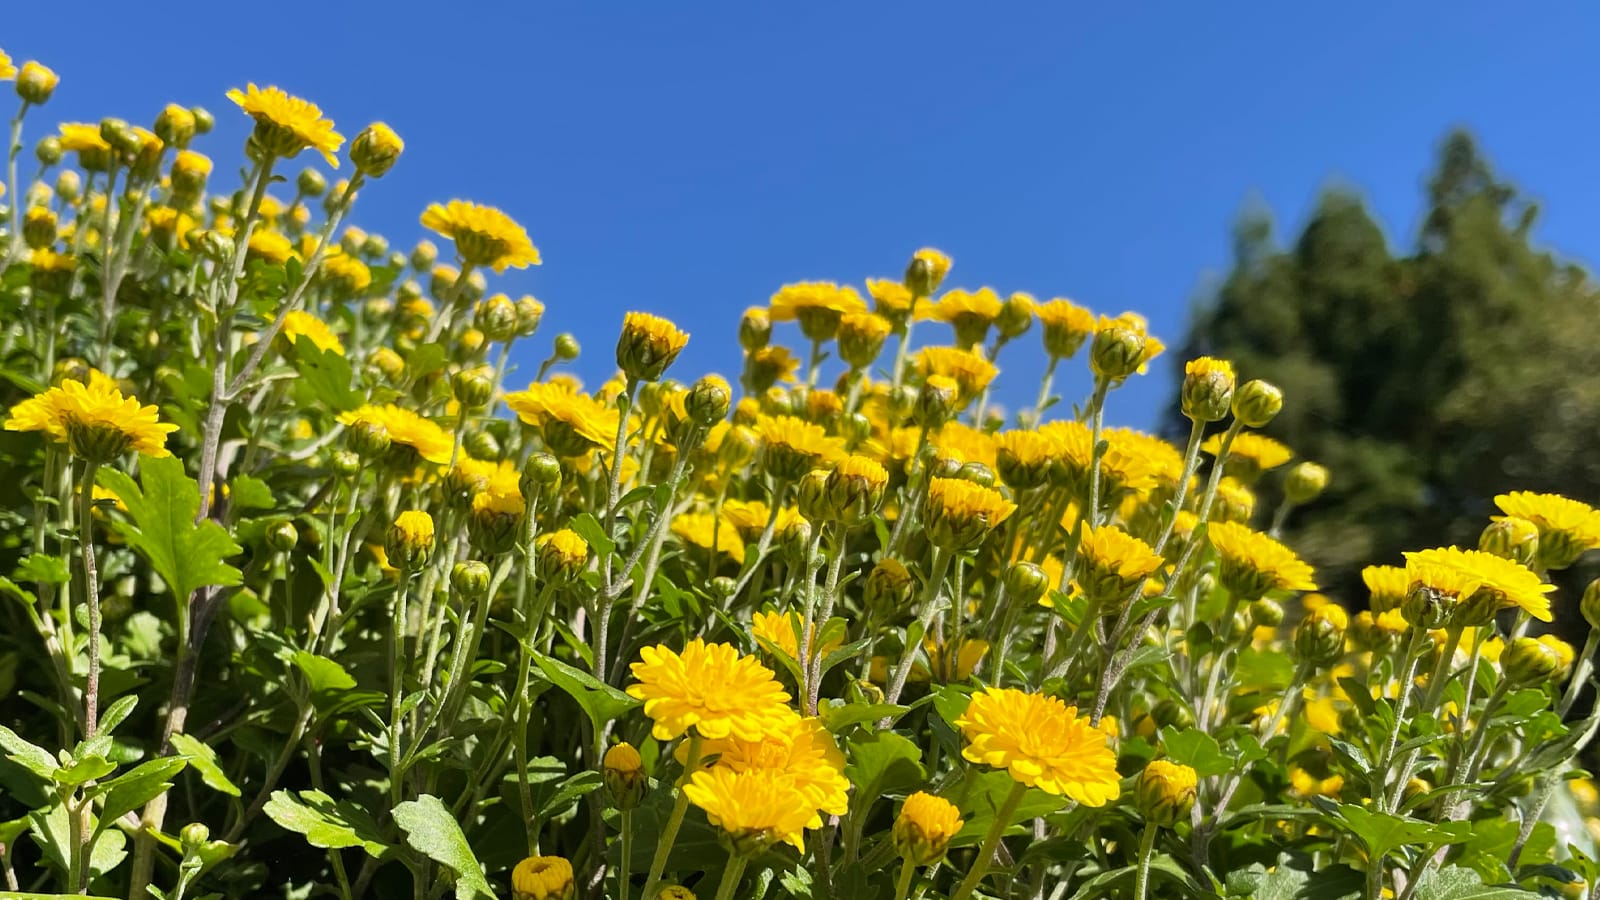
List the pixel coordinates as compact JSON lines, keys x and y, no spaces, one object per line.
{"x":276,"y":516}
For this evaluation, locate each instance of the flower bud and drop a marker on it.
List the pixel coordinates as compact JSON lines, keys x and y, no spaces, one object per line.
{"x":755,"y":329}
{"x":1117,"y":351}
{"x":1174,"y":714}
{"x":370,"y":440}
{"x":204,"y":121}
{"x":1590,"y":604}
{"x":1513,"y":538}
{"x":175,"y":125}
{"x":566,"y":347}
{"x":623,"y":770}
{"x":1305,"y":482}
{"x":926,"y":272}
{"x":739,"y":446}
{"x":708,"y":400}
{"x":855,"y":490}
{"x":542,"y":878}
{"x":1427,"y":608}
{"x":923,"y":830}
{"x":344,"y":462}
{"x":497,"y":316}
{"x":193,"y":836}
{"x":473,"y":387}
{"x":311,"y":183}
{"x":282,"y":536}
{"x":723,"y":588}
{"x":48,"y":151}
{"x":1256,"y":403}
{"x":674,"y":892}
{"x":1207,"y":389}
{"x":888,"y":588}
{"x":648,"y":345}
{"x":1535,"y":661}
{"x":977,"y":473}
{"x":410,"y":540}
{"x":1026,"y":583}
{"x":560,"y":555}
{"x":375,"y":149}
{"x":1266,"y":613}
{"x":1165,"y":792}
{"x":811,"y":495}
{"x":36,"y":82}
{"x":796,"y":542}
{"x":861,"y":337}
{"x":470,"y":579}
{"x":39,"y":228}
{"x":1319,"y":639}
{"x":495,"y":521}
{"x":936,"y":401}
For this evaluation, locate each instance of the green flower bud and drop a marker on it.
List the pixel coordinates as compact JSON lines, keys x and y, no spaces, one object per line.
{"x":470,"y":579}
{"x":755,"y":329}
{"x":723,"y":588}
{"x":811,"y":495}
{"x":1171,"y":713}
{"x":193,"y":836}
{"x":936,"y":401}
{"x":1026,"y":583}
{"x":497,"y":317}
{"x":370,"y":440}
{"x":473,"y":387}
{"x":623,"y":771}
{"x":203,"y":120}
{"x":854,"y":490}
{"x":481,"y":445}
{"x":48,"y":152}
{"x":345,"y":462}
{"x":648,"y":345}
{"x":36,"y":82}
{"x":1266,"y":613}
{"x":530,"y":313}
{"x":796,"y":542}
{"x":888,"y":589}
{"x":1016,"y":316}
{"x":1511,"y":538}
{"x":1590,"y":605}
{"x":926,"y":272}
{"x":1256,"y":403}
{"x":175,"y":125}
{"x":1305,"y":482}
{"x":39,"y":228}
{"x":566,"y":347}
{"x":410,"y":540}
{"x":311,"y":183}
{"x":977,"y":473}
{"x":1531,"y":661}
{"x":1165,"y":793}
{"x":1116,"y":352}
{"x":375,"y":149}
{"x":1319,"y":639}
{"x":1427,"y":608}
{"x":282,"y":536}
{"x":709,"y":400}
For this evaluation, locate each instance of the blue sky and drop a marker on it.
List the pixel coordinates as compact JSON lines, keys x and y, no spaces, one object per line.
{"x":690,"y":158}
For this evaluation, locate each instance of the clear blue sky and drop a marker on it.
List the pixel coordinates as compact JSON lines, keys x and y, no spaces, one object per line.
{"x":690,"y":158}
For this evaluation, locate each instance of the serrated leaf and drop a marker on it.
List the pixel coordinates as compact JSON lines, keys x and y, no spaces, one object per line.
{"x":84,"y":770}
{"x":204,"y":760}
{"x":247,"y":492}
{"x":1197,"y":750}
{"x":42,"y":568}
{"x":1457,"y":883}
{"x":323,"y":674}
{"x":186,"y":555}
{"x":432,"y":830}
{"x":325,"y":822}
{"x":600,"y":701}
{"x":837,"y":716}
{"x":881,"y":763}
{"x":1382,"y":832}
{"x":327,"y":374}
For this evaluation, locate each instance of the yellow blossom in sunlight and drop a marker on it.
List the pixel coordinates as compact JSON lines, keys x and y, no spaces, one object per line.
{"x":270,"y":246}
{"x":958,"y":514}
{"x":791,"y":447}
{"x":700,"y":529}
{"x":1253,"y":563}
{"x":800,"y":751}
{"x":1042,"y":743}
{"x":969,"y":313}
{"x":1064,"y":325}
{"x":1567,"y":528}
{"x":1515,"y":584}
{"x":816,"y":305}
{"x":971,"y":371}
{"x":95,"y":420}
{"x":1387,"y":585}
{"x":298,"y":323}
{"x":781,"y":630}
{"x":965,"y":444}
{"x":891,"y":298}
{"x":1114,"y":563}
{"x":8,"y":71}
{"x":710,"y":688}
{"x":285,"y":125}
{"x":1250,"y":453}
{"x":406,"y":428}
{"x":484,"y":236}
{"x":754,"y":807}
{"x":925,"y":826}
{"x":572,"y":421}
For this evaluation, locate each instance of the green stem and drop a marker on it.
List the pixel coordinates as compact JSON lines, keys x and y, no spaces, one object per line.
{"x":731,"y":875}
{"x":980,"y":866}
{"x":91,"y":586}
{"x":902,"y":885}
{"x":927,"y":607}
{"x":1147,"y":846}
{"x":669,"y":834}
{"x":625,"y":865}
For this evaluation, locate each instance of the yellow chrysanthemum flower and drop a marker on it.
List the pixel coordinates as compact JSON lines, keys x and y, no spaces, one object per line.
{"x":571,"y":421}
{"x":791,"y":446}
{"x":755,"y":808}
{"x":816,"y":305}
{"x":1567,"y":528}
{"x":958,"y":514}
{"x":1250,"y":453}
{"x":1023,"y":458}
{"x":749,"y":519}
{"x":1387,"y":585}
{"x":8,"y":71}
{"x":1515,"y":584}
{"x":891,"y":298}
{"x":300,"y":323}
{"x":1114,"y":563}
{"x":965,"y":444}
{"x":94,"y":420}
{"x":971,"y":371}
{"x":782,"y":631}
{"x":542,"y":878}
{"x":1064,"y":325}
{"x":969,"y":313}
{"x":800,"y":750}
{"x":925,"y":827}
{"x":701,"y":528}
{"x":345,"y":271}
{"x":648,"y":345}
{"x":710,"y":688}
{"x":484,"y":236}
{"x":269,"y":245}
{"x":1253,"y":563}
{"x":1042,"y":743}
{"x":406,"y":428}
{"x":285,"y":125}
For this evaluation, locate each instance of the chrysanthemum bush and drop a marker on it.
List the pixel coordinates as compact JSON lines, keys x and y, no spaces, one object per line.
{"x":310,"y":592}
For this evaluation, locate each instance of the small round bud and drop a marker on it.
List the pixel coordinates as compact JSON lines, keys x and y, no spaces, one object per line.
{"x":1256,"y":403}
{"x":311,"y":183}
{"x":1427,"y":608}
{"x":282,"y":536}
{"x":541,"y":473}
{"x":36,"y":82}
{"x":1319,"y":639}
{"x":1116,"y":352}
{"x":470,"y":579}
{"x":977,"y":473}
{"x":39,"y":228}
{"x":203,"y":120}
{"x":566,"y":347}
{"x":542,"y":878}
{"x":410,"y":540}
{"x":48,"y":150}
{"x":1026,"y":583}
{"x":723,"y":588}
{"x":175,"y":125}
{"x":368,"y":439}
{"x":811,"y":495}
{"x":193,"y":836}
{"x":473,"y":387}
{"x":888,"y":588}
{"x":936,"y":401}
{"x":560,"y":555}
{"x":1513,"y":538}
{"x":481,"y":445}
{"x":1016,"y":316}
{"x":388,"y":363}
{"x":1531,"y":661}
{"x":924,"y":828}
{"x":861,"y":336}
{"x":1305,"y":482}
{"x":1590,"y":604}
{"x":1165,"y":792}
{"x":647,"y":346}
{"x":755,"y":329}
{"x":1174,"y":714}
{"x":926,"y":271}
{"x":375,"y":150}
{"x":708,"y":400}
{"x":1266,"y":613}
{"x":796,"y":542}
{"x":1207,"y":389}
{"x":854,"y":490}
{"x":344,"y":462}
{"x":497,"y":316}
{"x":623,"y":770}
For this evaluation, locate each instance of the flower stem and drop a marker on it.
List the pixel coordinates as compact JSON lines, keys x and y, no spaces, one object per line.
{"x":669,"y":834}
{"x":902,"y":885}
{"x":980,"y":866}
{"x":625,"y":864}
{"x":91,"y":590}
{"x":731,"y":876}
{"x":1147,"y":846}
{"x":927,"y":607}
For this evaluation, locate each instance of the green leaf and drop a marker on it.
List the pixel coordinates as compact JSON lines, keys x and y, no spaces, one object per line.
{"x":1197,"y":750}
{"x":1291,"y":879}
{"x":983,"y":793}
{"x":204,"y":760}
{"x":569,"y":792}
{"x":246,"y":492}
{"x":600,"y":701}
{"x":327,"y":374}
{"x":1383,"y":832}
{"x":42,"y":568}
{"x":323,"y":674}
{"x":30,"y":756}
{"x":837,"y":715}
{"x":589,"y":528}
{"x":432,"y":830}
{"x":326,"y":823}
{"x":1457,"y":883}
{"x":1263,"y":669}
{"x":883,"y":762}
{"x":186,"y":555}
{"x":117,"y":713}
{"x":11,"y":588}
{"x":137,"y":786}
{"x":83,"y":770}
